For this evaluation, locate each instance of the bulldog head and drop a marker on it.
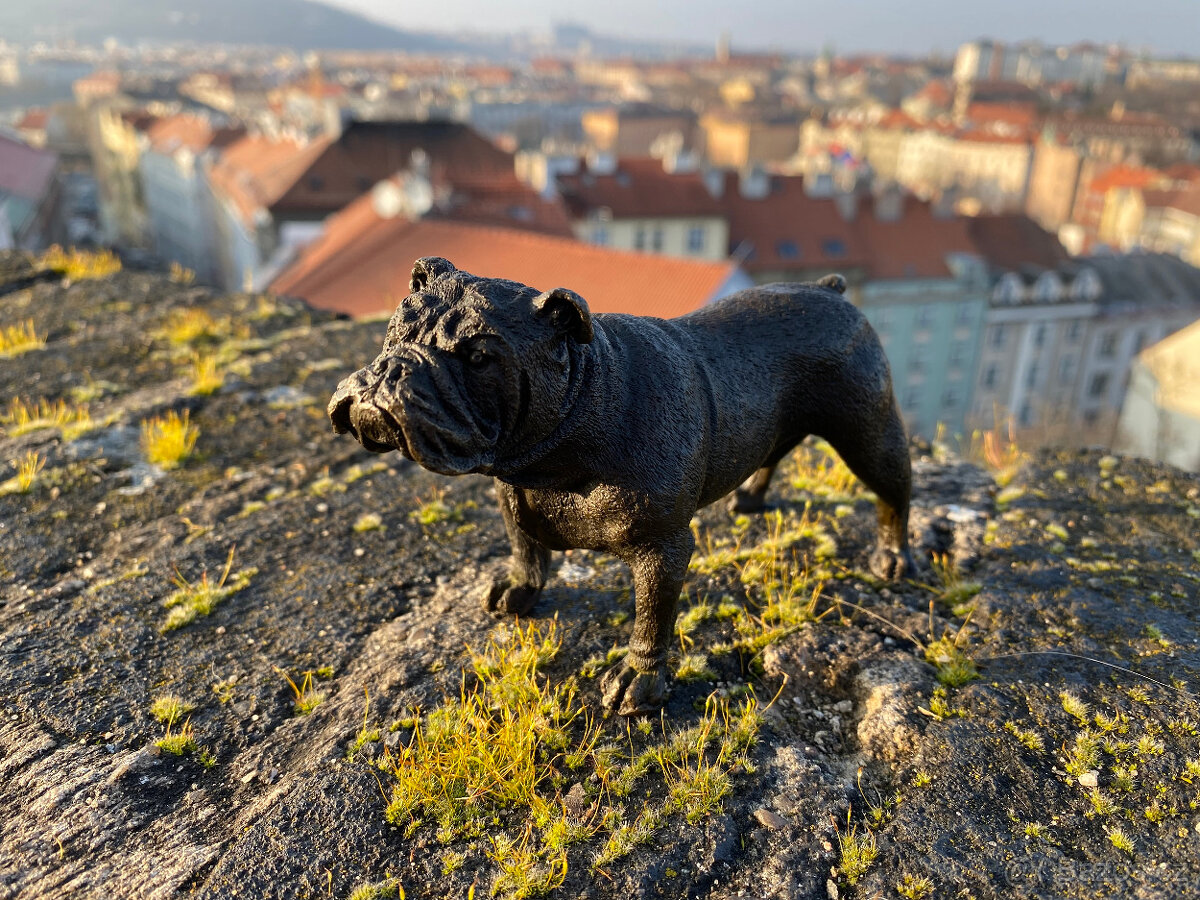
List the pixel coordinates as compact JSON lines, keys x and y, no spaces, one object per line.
{"x":474,"y":372}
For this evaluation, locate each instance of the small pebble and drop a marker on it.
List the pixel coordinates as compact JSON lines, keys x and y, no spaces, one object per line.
{"x":771,"y":820}
{"x":1090,"y":779}
{"x":249,"y":776}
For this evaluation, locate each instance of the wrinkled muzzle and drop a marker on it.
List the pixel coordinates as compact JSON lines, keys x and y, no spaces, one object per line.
{"x":412,"y":401}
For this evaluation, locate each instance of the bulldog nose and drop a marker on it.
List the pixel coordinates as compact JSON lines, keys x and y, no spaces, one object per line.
{"x":339,"y":409}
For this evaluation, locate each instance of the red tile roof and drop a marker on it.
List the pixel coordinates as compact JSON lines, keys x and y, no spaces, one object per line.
{"x":639,"y":189}
{"x":1008,"y":242}
{"x":503,"y":201}
{"x":1125,"y":177}
{"x":197,"y":134}
{"x":1185,"y":199}
{"x":787,"y":229}
{"x":915,"y":245}
{"x":361,"y":266}
{"x":34,"y":119}
{"x":1019,"y":114}
{"x":368,"y":152}
{"x":256,"y":171}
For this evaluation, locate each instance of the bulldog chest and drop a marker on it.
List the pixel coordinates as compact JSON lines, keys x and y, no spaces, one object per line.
{"x":598,"y":519}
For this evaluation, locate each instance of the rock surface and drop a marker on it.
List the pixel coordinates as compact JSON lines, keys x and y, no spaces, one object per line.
{"x":1070,"y":767}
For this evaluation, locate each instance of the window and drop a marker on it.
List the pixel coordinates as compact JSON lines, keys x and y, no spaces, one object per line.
{"x":916,"y":362}
{"x":695,"y":239}
{"x":1098,"y":385}
{"x":963,"y":314}
{"x":1031,"y":376}
{"x":833,"y":247}
{"x":787,"y":250}
{"x":924,"y":315}
{"x":912,"y":398}
{"x":639,"y":239}
{"x":996,"y":336}
{"x":1140,"y":341}
{"x":951,"y":398}
{"x":989,"y":376}
{"x":1066,"y":369}
{"x":1039,"y":335}
{"x":600,"y":235}
{"x":1108,"y":345}
{"x":1026,"y":417}
{"x":1074,"y":331}
{"x":656,"y":240}
{"x":958,"y":353}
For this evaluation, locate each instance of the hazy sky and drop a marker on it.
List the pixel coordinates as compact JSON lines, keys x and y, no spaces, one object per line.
{"x":918,"y":26}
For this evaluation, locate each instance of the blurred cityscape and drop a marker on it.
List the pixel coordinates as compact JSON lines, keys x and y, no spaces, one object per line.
{"x":1020,"y":222}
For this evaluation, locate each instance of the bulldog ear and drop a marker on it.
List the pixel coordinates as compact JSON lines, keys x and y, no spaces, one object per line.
{"x":834,"y":282}
{"x":568,"y":311}
{"x":426,"y":269}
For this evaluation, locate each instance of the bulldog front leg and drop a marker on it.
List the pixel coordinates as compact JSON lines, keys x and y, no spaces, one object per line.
{"x":638,"y":684}
{"x":516,"y":592}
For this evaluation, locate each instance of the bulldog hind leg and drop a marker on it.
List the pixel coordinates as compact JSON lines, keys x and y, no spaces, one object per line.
{"x":877,"y":452}
{"x":749,"y":497}
{"x":516,"y":592}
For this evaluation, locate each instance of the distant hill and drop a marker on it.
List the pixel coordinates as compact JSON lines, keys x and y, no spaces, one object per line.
{"x":301,"y":24}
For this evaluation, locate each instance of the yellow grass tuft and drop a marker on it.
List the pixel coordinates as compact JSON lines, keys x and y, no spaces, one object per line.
{"x":205,"y":374}
{"x":168,"y":440}
{"x":21,"y":417}
{"x":18,"y":339}
{"x":80,"y":264}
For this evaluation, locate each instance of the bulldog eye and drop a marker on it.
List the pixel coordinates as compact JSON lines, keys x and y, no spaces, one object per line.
{"x":477,"y":357}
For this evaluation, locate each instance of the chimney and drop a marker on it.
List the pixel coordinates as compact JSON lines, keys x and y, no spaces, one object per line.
{"x":714,"y":181}
{"x":889,"y":204}
{"x":754,"y":183}
{"x":847,"y":204}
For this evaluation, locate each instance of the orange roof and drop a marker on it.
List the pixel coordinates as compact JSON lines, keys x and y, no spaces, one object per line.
{"x":788,"y":229}
{"x":978,"y":136}
{"x":256,"y":171}
{"x":898,"y":118}
{"x":1189,"y":172}
{"x":915,"y":245}
{"x":937,"y":92}
{"x":1020,"y":114}
{"x":1012,"y":240}
{"x":366,"y":152}
{"x":361,"y":266}
{"x":197,"y":134}
{"x":640,"y":188}
{"x":1125,"y":177}
{"x":1185,"y":199}
{"x":34,"y":119}
{"x":501,"y":200}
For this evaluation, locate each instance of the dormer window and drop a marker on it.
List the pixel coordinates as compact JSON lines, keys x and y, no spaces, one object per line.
{"x":1047,"y":289}
{"x":1086,"y":285}
{"x":1008,"y":290}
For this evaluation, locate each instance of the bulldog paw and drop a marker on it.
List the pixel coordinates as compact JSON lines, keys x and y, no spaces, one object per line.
{"x":746,"y":502}
{"x":891,"y":565}
{"x":625,"y":690}
{"x":502,"y":597}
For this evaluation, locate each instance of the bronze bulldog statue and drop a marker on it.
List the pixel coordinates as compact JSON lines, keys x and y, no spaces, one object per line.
{"x":608,"y":432}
